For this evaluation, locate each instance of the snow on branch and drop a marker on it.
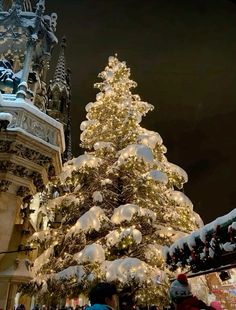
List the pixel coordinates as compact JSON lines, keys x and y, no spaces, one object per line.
{"x":78,"y":163}
{"x":72,"y":271}
{"x":176,"y":170}
{"x":43,"y":259}
{"x":88,"y":221}
{"x":92,"y":253}
{"x":114,"y":237}
{"x":149,"y":138}
{"x":103,"y":145}
{"x":180,"y":199}
{"x":139,"y":151}
{"x":127,"y":211}
{"x":157,"y":175}
{"x":97,"y":196}
{"x":40,"y":236}
{"x":86,"y":160}
{"x":127,"y":269}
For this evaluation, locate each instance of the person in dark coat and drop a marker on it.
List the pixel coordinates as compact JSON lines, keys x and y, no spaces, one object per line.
{"x":20,"y":307}
{"x":182,"y":297}
{"x":103,"y":296}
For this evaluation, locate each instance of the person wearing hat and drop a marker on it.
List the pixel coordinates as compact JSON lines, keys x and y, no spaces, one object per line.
{"x":182,"y":297}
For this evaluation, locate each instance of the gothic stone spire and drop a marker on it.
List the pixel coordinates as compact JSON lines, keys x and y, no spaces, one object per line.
{"x":59,"y":94}
{"x":60,"y":75}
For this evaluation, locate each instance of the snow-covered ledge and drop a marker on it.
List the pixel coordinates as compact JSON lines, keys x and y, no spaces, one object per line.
{"x":31,"y":144}
{"x":27,"y":117}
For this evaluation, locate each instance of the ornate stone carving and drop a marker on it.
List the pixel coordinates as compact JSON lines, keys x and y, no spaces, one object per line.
{"x":15,"y":116}
{"x":38,"y":181}
{"x":22,"y":172}
{"x":5,"y":146}
{"x":35,"y":126}
{"x":4,"y":185}
{"x":23,"y":191}
{"x":12,"y":147}
{"x":6,"y":166}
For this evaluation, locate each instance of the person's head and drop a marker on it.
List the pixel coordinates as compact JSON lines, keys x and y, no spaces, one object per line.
{"x":104,"y":293}
{"x":180,"y":289}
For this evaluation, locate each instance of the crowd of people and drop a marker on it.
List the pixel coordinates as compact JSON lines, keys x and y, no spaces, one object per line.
{"x":104,"y":296}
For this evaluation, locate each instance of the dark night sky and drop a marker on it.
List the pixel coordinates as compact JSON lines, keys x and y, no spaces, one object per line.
{"x":182,"y":54}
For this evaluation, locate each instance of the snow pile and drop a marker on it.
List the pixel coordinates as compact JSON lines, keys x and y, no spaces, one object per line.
{"x":40,"y":236}
{"x":109,"y":92}
{"x":91,"y":253}
{"x":86,"y":160}
{"x":198,"y":219}
{"x":203,"y":231}
{"x":217,"y":222}
{"x":85,"y":124}
{"x":179,"y":243}
{"x":99,"y":96}
{"x":88,"y":107}
{"x":6,"y":117}
{"x":72,"y":271}
{"x":150,"y":139}
{"x":67,"y":170}
{"x":88,"y":221}
{"x":125,"y":269}
{"x":97,"y":196}
{"x":177,"y":171}
{"x":105,"y":182}
{"x":115,"y":237}
{"x":180,"y":199}
{"x":202,"y":234}
{"x":232,"y":226}
{"x":124,"y":213}
{"x":133,"y":233}
{"x":127,"y":211}
{"x":228,"y":246}
{"x":148,"y":213}
{"x":139,"y":151}
{"x":157,"y":175}
{"x":109,"y":74}
{"x":190,"y":240}
{"x":143,"y":106}
{"x":79,"y":162}
{"x":103,"y":145}
{"x":165,"y":231}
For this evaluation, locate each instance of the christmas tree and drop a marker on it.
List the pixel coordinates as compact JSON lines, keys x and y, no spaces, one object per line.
{"x":116,"y":206}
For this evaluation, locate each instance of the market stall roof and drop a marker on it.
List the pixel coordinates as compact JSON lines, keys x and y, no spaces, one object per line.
{"x":209,"y":249}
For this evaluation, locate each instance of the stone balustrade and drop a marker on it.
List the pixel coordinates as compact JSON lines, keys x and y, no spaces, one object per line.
{"x":30,"y":147}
